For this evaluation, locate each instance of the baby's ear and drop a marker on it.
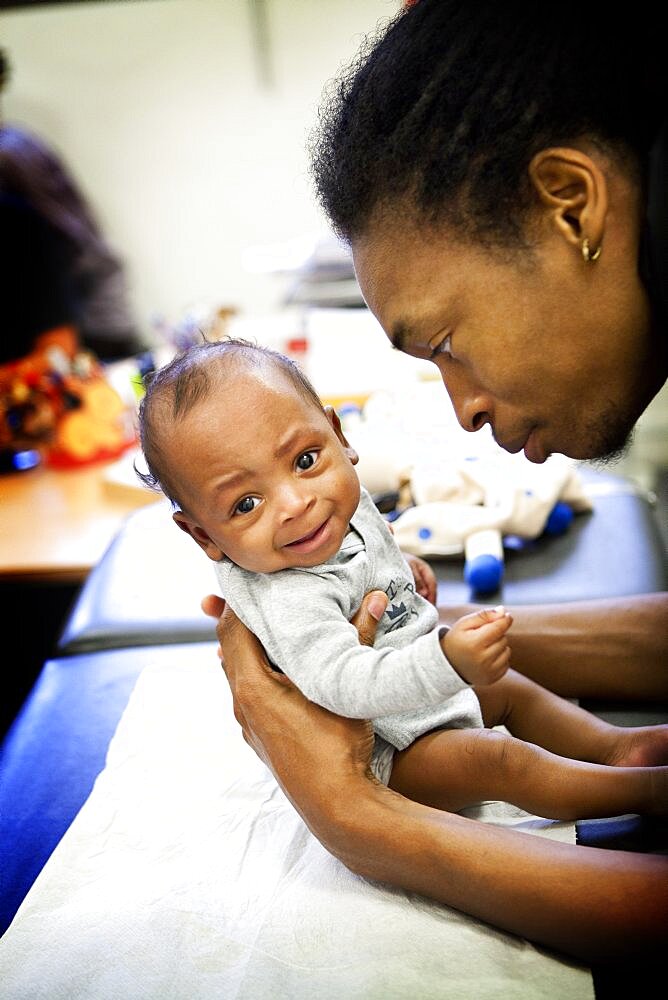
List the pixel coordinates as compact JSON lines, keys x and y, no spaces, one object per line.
{"x":333,"y":418}
{"x":198,"y":534}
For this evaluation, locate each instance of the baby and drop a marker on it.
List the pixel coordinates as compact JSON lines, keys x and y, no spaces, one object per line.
{"x":263,"y":479}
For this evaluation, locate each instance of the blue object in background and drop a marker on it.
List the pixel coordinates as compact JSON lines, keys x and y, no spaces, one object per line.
{"x":18,"y":461}
{"x":348,"y":409}
{"x":559,"y":520}
{"x":484,"y":573}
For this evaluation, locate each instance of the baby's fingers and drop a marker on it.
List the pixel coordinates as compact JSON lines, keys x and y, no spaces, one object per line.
{"x":483,"y":619}
{"x":500,"y":666}
{"x":491,"y":634}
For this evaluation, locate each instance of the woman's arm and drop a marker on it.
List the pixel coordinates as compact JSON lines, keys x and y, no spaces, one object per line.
{"x":589,"y":903}
{"x":586,"y":902}
{"x":607,"y":648}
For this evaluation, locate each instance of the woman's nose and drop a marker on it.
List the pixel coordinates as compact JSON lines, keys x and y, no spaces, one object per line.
{"x":473,"y":407}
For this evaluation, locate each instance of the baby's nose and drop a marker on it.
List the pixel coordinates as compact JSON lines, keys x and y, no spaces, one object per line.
{"x":295,"y":500}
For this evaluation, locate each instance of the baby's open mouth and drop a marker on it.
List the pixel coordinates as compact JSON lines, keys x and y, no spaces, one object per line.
{"x":313,"y":536}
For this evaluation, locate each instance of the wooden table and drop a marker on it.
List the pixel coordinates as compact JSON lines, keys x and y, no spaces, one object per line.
{"x":56,"y":524}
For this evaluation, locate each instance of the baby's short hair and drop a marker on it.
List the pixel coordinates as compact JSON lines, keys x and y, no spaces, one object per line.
{"x":173,"y":390}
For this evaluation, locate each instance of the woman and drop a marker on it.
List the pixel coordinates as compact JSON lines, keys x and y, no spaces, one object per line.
{"x":497,"y":171}
{"x":500,"y":176}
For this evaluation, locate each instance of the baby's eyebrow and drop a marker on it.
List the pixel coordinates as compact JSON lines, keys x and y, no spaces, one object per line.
{"x":230,"y":479}
{"x":289,"y":443}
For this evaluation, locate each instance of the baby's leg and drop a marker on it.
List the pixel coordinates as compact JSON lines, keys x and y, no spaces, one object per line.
{"x":533,"y":713}
{"x":453,"y":769}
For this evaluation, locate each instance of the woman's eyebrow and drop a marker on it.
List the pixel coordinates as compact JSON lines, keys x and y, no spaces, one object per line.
{"x":410,"y":337}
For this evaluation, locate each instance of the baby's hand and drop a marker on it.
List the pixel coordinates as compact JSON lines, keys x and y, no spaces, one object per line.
{"x":424,"y":576}
{"x":477,"y":645}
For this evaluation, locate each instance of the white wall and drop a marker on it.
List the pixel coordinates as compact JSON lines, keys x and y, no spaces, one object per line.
{"x":161,"y":110}
{"x":186,"y":154}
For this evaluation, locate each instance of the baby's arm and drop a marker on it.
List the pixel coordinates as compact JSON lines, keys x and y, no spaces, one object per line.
{"x":477,"y":645}
{"x":305,"y":631}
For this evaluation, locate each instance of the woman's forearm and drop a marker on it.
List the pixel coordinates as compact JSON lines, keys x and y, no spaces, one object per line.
{"x":608,"y":648}
{"x":586,"y":902}
{"x":589,"y":903}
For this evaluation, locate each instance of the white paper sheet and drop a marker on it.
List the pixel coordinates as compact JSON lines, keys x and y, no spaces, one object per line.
{"x":187,"y":874}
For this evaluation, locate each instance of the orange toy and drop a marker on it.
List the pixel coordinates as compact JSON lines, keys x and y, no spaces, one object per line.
{"x":57,"y":399}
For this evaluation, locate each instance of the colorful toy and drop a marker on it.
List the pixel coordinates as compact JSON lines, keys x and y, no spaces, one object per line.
{"x":459,"y":495}
{"x":57,"y":406}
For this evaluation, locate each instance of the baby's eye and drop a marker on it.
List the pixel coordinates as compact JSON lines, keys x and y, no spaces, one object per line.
{"x":246,"y":505}
{"x":443,"y":347}
{"x":307,"y":460}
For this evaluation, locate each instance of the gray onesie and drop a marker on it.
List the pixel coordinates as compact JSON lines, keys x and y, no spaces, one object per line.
{"x":404,"y":683}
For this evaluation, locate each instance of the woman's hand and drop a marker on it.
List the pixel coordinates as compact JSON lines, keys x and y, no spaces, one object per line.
{"x":587,"y":903}
{"x":313,"y":753}
{"x":424,"y":576}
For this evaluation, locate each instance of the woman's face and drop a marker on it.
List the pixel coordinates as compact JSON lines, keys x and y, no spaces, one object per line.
{"x":552,"y":352}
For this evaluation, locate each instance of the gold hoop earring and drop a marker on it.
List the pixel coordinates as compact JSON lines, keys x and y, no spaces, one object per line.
{"x":587,"y":255}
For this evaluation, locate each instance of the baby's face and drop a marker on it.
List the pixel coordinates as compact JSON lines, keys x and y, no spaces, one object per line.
{"x":267,"y":478}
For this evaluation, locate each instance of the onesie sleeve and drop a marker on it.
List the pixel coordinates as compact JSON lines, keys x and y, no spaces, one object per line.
{"x":303,"y":625}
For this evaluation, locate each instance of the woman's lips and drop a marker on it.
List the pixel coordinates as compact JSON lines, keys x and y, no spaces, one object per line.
{"x":533,"y":449}
{"x":530,"y":445}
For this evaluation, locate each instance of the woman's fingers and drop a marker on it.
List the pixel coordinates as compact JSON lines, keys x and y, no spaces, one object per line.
{"x":370,"y":612}
{"x":243,"y":653}
{"x":295,"y":738}
{"x":212,"y":605}
{"x":424,"y":576}
{"x":365,"y":620}
{"x":253,"y":684}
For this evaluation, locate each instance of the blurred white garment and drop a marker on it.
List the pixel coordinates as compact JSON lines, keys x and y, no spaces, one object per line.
{"x":188,"y":874}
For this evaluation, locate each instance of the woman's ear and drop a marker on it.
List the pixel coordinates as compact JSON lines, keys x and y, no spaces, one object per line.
{"x":199,"y":535}
{"x":573,"y":191}
{"x":333,"y":418}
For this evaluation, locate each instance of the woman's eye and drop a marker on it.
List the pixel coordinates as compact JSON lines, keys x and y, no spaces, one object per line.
{"x":307,"y":460}
{"x":443,"y":347}
{"x":246,"y":505}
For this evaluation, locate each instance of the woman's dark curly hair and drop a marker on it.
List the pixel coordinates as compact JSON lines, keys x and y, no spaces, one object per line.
{"x":449,"y":102}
